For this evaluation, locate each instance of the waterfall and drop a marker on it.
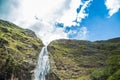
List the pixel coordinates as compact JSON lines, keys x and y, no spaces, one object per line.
{"x":43,"y":65}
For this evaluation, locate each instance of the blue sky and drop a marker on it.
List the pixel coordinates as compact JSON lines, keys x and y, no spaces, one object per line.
{"x":69,"y":19}
{"x":99,"y":25}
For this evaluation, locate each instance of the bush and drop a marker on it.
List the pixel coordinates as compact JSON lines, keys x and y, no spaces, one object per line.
{"x":98,"y":75}
{"x":115,"y":76}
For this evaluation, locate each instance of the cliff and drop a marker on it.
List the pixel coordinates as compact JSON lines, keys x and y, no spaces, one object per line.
{"x":19,"y":50}
{"x":69,"y":59}
{"x":84,"y":60}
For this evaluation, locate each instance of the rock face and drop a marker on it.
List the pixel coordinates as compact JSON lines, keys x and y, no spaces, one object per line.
{"x":19,"y":50}
{"x":85,"y":60}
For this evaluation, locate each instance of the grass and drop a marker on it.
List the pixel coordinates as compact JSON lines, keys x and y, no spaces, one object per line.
{"x":18,"y":48}
{"x":77,"y":60}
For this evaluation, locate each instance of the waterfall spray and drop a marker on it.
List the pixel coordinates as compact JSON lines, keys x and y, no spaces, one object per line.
{"x":43,"y":65}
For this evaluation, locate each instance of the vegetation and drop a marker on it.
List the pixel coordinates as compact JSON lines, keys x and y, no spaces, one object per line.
{"x":69,"y":59}
{"x":19,"y":49}
{"x":85,"y":60}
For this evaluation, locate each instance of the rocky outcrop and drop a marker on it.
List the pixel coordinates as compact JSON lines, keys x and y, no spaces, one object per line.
{"x":19,"y":50}
{"x":84,"y":60}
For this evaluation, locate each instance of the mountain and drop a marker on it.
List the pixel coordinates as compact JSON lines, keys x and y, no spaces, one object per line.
{"x":19,"y":50}
{"x":84,"y":60}
{"x":69,"y":59}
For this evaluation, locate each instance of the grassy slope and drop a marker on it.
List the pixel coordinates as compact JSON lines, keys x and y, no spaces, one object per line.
{"x":81,"y":60}
{"x":19,"y":49}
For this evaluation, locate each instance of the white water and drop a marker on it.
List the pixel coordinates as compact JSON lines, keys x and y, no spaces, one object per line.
{"x":43,"y":66}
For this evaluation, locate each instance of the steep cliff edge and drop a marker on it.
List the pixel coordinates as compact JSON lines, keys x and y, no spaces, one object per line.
{"x":19,"y":50}
{"x":84,"y":60}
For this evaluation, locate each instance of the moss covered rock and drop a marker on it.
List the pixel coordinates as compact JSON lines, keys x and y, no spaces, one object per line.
{"x":84,"y":60}
{"x":19,"y":50}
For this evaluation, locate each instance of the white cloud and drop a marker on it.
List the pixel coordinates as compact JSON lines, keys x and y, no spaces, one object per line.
{"x":47,"y":13}
{"x":81,"y":34}
{"x":82,"y":14}
{"x":6,"y":7}
{"x":70,"y":15}
{"x":48,"y":32}
{"x":113,"y":6}
{"x":47,"y":10}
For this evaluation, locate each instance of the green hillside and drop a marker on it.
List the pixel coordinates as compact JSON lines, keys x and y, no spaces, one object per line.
{"x":69,"y":59}
{"x":19,"y":50}
{"x":85,"y":60}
